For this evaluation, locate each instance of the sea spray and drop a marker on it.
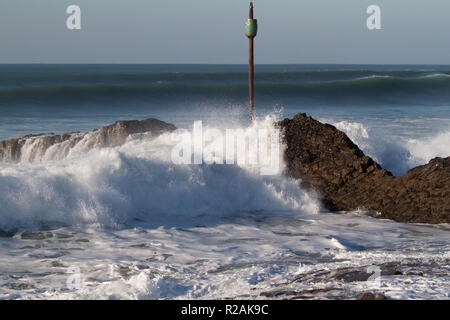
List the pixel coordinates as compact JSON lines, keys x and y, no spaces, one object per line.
{"x":394,"y":154}
{"x":115,"y":186}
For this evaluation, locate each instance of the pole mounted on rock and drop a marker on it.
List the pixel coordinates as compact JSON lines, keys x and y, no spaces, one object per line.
{"x":251,"y":29}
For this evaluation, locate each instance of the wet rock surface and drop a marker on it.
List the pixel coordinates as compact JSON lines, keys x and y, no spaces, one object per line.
{"x":116,"y":134}
{"x":7,"y":233}
{"x":370,"y":296}
{"x":32,"y":147}
{"x":36,"y":235}
{"x":327,"y":161}
{"x":349,"y":283}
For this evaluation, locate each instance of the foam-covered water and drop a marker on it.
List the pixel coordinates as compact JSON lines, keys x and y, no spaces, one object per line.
{"x":138,"y":180}
{"x":394,"y":153}
{"x":136,"y":226}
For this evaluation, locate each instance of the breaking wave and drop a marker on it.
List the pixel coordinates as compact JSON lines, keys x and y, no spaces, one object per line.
{"x":397,"y":156}
{"x":137,"y":182}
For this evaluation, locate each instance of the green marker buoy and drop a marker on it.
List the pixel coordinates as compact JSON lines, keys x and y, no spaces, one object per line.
{"x":251,"y":29}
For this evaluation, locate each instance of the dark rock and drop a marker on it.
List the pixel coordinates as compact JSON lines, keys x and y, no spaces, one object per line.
{"x":352,"y":276}
{"x":392,"y":268}
{"x":108,"y":136}
{"x":304,"y":294}
{"x":36,"y":235}
{"x":20,"y":286}
{"x":11,"y":149}
{"x":371,"y":296}
{"x":422,"y":194}
{"x":274,"y":294}
{"x":7,"y":233}
{"x":326,"y":160}
{"x":57,"y":264}
{"x":117,"y":133}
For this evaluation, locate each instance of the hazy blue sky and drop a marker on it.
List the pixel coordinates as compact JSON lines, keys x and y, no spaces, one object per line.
{"x":212,"y":31}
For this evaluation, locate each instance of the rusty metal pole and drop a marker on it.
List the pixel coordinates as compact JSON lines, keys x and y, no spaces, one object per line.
{"x":251,"y":68}
{"x":251,"y":30}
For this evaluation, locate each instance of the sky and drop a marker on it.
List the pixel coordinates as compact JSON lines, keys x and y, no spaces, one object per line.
{"x":212,"y":31}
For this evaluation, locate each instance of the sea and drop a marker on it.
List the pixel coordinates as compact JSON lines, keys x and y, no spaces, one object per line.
{"x":127,"y":223}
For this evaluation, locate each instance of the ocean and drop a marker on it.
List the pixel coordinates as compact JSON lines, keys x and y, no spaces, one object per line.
{"x":126,"y":223}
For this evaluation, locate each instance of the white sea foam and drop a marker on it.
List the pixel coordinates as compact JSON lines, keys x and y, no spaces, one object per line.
{"x":396,"y":155}
{"x":437,"y":75}
{"x":423,"y":150}
{"x":374,"y":76}
{"x":240,"y":258}
{"x":113,"y":186}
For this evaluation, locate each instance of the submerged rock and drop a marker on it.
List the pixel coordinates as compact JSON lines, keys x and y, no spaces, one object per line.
{"x":371,"y":296}
{"x":32,"y":147}
{"x":36,"y":235}
{"x":7,"y":233}
{"x":327,"y":161}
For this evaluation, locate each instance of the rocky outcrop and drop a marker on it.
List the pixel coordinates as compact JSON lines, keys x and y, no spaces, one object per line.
{"x":326,"y":160}
{"x":32,"y":147}
{"x":117,"y":133}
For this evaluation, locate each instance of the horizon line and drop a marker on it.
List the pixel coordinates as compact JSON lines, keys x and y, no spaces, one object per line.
{"x":222,"y":64}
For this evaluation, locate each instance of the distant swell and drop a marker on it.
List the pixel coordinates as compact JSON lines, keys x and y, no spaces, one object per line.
{"x":166,"y":89}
